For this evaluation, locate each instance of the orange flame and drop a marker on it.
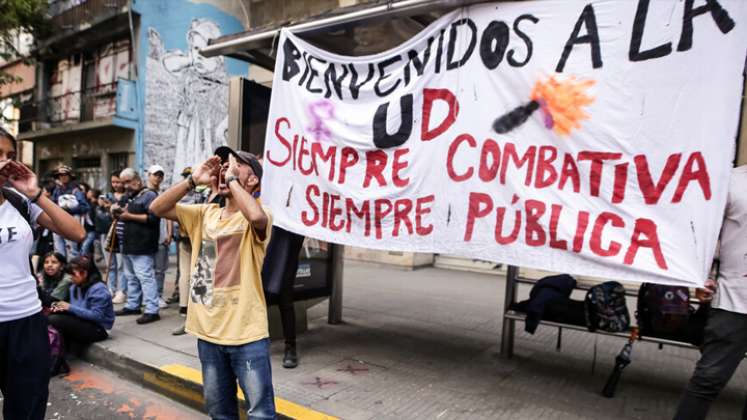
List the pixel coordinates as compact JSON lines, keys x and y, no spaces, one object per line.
{"x":563,"y":101}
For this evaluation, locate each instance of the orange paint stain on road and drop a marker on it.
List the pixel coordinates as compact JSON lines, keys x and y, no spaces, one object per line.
{"x":84,"y":379}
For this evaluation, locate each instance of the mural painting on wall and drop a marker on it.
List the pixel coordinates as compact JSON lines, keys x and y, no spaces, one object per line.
{"x":186,"y":101}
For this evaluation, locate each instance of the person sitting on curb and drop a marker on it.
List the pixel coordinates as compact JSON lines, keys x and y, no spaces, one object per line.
{"x":90,"y":312}
{"x":227,"y":310}
{"x":54,"y":285}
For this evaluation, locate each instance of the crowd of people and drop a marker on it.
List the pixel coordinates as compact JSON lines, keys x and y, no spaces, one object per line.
{"x":76,"y":251}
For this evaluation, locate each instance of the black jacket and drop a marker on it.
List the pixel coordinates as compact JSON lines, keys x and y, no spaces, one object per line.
{"x":547,"y":290}
{"x":141,"y":238}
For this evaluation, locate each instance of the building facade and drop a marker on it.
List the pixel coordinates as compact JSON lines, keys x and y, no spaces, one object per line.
{"x":120,"y":83}
{"x":17,"y":91}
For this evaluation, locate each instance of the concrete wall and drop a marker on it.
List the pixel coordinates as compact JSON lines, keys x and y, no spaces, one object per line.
{"x":184,"y":96}
{"x":23,"y":71}
{"x":406,"y":260}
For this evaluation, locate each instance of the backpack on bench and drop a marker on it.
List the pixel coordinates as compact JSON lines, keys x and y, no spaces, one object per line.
{"x":606,"y":309}
{"x":664,"y":311}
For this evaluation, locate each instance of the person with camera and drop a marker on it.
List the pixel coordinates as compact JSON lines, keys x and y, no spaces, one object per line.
{"x":138,"y":245}
{"x":110,"y":235}
{"x":24,"y":349}
{"x":725,"y":340}
{"x":69,"y":196}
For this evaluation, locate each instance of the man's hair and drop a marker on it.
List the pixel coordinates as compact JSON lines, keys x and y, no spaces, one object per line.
{"x":130,"y":173}
{"x":116,"y":173}
{"x":5,"y":134}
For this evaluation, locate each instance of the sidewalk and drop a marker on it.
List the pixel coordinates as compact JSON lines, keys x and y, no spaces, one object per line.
{"x":424,"y":345}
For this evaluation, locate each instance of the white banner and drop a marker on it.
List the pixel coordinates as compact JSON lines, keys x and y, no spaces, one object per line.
{"x":587,"y":138}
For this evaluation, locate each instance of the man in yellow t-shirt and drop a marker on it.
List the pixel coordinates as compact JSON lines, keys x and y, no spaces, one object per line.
{"x":227,"y":310}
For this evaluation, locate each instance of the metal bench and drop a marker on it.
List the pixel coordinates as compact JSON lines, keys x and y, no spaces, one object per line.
{"x":510,"y":317}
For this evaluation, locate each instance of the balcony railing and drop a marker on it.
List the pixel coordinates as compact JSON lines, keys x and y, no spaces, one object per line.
{"x":67,"y":14}
{"x":75,"y":107}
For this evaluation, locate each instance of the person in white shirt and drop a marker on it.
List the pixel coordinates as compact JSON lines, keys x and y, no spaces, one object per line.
{"x":725,"y":337}
{"x":24,"y":345}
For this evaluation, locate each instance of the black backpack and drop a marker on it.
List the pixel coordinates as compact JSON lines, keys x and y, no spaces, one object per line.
{"x":606,"y":309}
{"x":663,"y":311}
{"x":22,"y":206}
{"x":20,"y":203}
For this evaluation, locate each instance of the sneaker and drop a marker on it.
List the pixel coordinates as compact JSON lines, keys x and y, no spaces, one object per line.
{"x":183,"y":310}
{"x":148,"y":318}
{"x":127,"y":311}
{"x":179,"y":331}
{"x":290,"y":359}
{"x":119,"y":297}
{"x":173,"y":299}
{"x":162,"y":303}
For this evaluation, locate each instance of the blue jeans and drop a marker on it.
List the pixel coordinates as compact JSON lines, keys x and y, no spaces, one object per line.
{"x":116,"y":279}
{"x":141,"y":282}
{"x":86,"y":248}
{"x":250,"y":365}
{"x":65,"y":247}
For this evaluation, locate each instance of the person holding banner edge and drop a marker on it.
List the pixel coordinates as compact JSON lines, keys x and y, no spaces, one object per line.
{"x":227,"y":310}
{"x":725,"y":342}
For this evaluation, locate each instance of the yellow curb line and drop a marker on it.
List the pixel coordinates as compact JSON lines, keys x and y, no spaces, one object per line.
{"x":284,"y":407}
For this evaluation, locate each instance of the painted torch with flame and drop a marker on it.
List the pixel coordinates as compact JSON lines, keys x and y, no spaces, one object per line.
{"x":561,"y":104}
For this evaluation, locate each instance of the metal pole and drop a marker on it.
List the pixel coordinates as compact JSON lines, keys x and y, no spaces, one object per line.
{"x":509,"y":325}
{"x":335,"y":272}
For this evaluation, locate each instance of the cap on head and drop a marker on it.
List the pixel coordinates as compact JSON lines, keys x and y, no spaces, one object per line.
{"x":62,"y":170}
{"x":224,"y":151}
{"x":154,"y":169}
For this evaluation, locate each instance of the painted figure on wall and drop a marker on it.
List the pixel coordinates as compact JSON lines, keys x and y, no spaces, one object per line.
{"x":189,"y":94}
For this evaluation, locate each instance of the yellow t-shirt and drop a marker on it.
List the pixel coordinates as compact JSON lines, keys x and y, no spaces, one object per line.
{"x":226,"y":301}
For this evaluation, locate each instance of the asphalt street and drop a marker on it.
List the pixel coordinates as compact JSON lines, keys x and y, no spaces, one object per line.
{"x":89,"y":392}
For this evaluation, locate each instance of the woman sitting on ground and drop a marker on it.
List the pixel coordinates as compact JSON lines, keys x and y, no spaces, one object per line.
{"x":90,"y":311}
{"x":54,"y":284}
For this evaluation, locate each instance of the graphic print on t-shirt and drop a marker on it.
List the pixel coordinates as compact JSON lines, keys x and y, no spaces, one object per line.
{"x":227,"y":272}
{"x":217,"y":267}
{"x":201,"y":288}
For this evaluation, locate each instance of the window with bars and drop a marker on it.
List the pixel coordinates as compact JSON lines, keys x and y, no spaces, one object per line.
{"x":118,"y":161}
